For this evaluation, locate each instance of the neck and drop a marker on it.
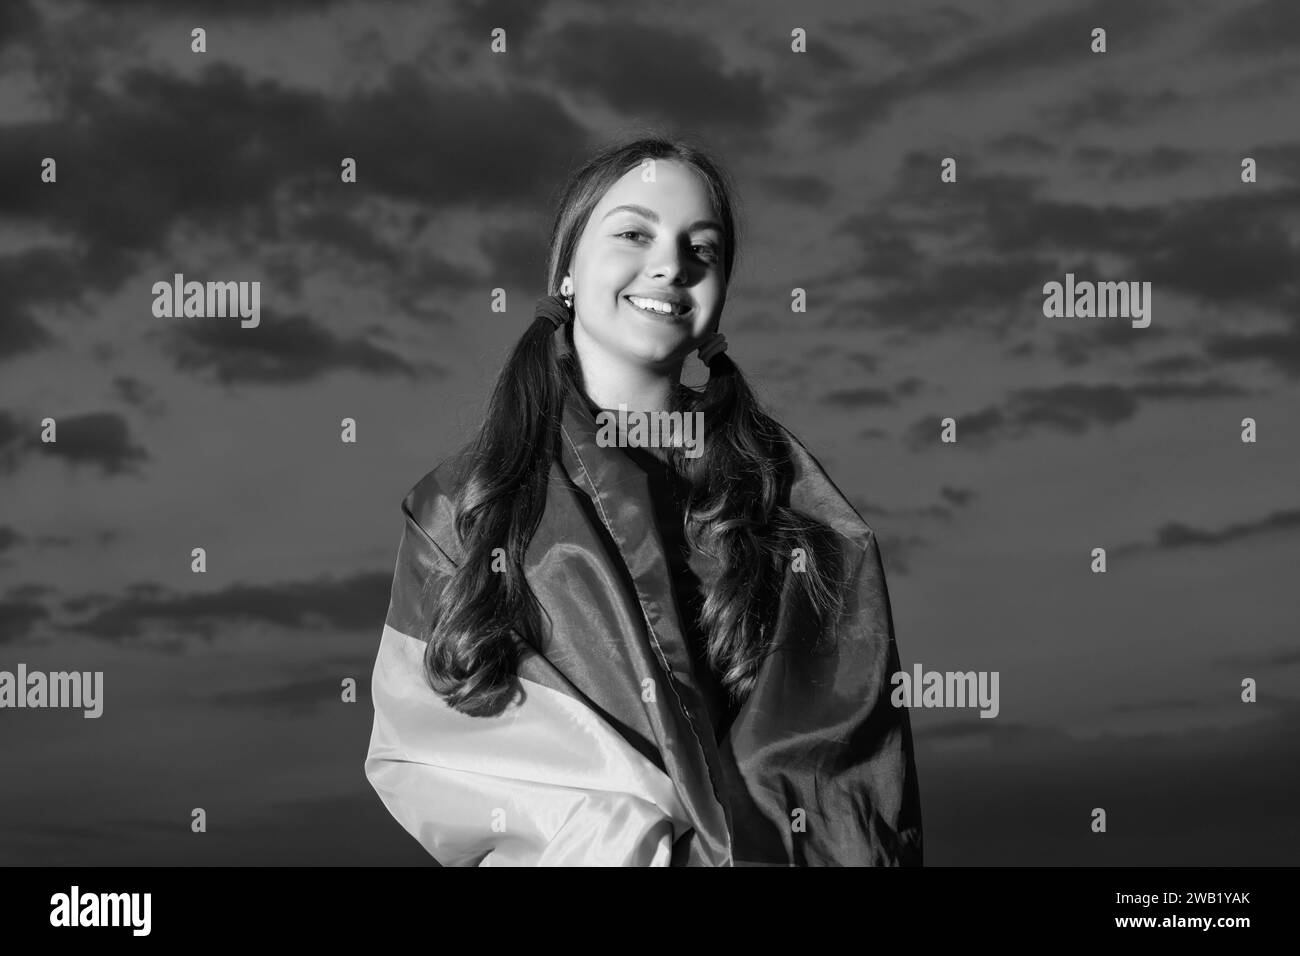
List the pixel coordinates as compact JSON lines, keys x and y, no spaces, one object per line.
{"x":611,"y":382}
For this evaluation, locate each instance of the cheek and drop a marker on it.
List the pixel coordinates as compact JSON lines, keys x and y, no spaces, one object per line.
{"x":709,"y":318}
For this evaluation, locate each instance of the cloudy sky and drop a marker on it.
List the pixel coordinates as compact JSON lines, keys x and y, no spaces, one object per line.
{"x":1118,"y":690}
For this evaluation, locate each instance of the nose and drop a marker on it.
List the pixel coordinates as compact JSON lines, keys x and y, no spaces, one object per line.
{"x":669,"y":263}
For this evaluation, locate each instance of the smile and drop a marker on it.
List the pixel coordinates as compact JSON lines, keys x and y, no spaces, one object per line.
{"x":670,"y":317}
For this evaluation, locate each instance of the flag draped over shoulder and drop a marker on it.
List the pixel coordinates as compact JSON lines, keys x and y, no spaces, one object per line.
{"x":610,"y":758}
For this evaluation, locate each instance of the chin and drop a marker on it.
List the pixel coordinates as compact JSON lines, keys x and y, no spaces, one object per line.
{"x":658,"y":348}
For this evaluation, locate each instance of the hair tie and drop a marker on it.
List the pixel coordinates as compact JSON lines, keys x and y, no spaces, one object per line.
{"x":716,"y":343}
{"x":552,"y":308}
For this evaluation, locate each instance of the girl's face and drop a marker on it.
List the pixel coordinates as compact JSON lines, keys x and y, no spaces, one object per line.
{"x":669,"y":249}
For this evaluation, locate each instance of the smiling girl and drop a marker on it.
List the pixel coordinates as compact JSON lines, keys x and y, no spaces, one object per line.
{"x":612,"y":653}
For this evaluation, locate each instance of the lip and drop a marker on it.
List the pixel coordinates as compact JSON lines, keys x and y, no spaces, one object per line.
{"x":672,"y":319}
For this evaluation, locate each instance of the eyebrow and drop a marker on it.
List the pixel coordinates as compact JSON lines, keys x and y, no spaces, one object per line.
{"x":654,"y":217}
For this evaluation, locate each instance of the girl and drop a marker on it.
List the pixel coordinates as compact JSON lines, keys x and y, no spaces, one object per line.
{"x":606,"y":649}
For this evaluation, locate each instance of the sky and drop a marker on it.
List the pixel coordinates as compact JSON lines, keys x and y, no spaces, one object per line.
{"x":1119,"y":690}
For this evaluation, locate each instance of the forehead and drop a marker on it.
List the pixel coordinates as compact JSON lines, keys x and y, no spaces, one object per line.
{"x":676,"y":193}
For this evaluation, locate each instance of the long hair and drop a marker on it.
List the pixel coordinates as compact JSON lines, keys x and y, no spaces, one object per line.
{"x":737,"y":506}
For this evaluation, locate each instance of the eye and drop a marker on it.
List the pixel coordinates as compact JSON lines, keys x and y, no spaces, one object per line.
{"x":709,"y":247}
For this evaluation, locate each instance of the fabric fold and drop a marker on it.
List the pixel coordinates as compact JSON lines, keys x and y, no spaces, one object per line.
{"x":612,"y":758}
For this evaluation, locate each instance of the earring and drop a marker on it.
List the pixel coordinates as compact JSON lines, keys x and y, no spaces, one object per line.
{"x":566,"y":292}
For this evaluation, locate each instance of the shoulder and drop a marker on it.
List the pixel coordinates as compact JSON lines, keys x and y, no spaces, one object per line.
{"x":813,"y":493}
{"x":431,"y":501}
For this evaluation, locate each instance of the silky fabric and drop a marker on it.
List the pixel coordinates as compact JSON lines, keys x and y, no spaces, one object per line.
{"x":814,"y":767}
{"x":549,"y":785}
{"x":692,"y":571}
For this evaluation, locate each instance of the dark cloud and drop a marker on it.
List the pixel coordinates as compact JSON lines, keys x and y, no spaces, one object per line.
{"x":18,"y":618}
{"x":37,"y":277}
{"x":859,"y":397}
{"x":517,"y":258}
{"x":957,"y":496}
{"x":18,"y":20}
{"x":301,"y":696}
{"x":99,"y":439}
{"x":1280,"y":349}
{"x":137,"y":393}
{"x":1175,"y":534}
{"x":648,"y":69}
{"x":946,"y":297}
{"x":1112,"y":107}
{"x":1284,"y":657}
{"x":347,"y":236}
{"x":1023,"y":144}
{"x":908,"y":37}
{"x":1173,"y":365}
{"x":978,"y":428}
{"x":1071,"y":409}
{"x":354,"y":602}
{"x":476,"y":19}
{"x":237,"y":9}
{"x":282,"y":350}
{"x":887,"y":248}
{"x":157,"y":171}
{"x":1262,"y":28}
{"x":1225,"y":250}
{"x":896,"y":550}
{"x":1044,"y":45}
{"x":19,"y":332}
{"x":1159,"y":706}
{"x":10,"y":538}
{"x":799,"y":188}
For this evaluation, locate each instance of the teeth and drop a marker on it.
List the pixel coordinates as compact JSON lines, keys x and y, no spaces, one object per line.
{"x":653,"y":305}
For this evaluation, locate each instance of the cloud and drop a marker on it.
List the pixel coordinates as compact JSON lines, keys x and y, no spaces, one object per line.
{"x":1278,"y":348}
{"x":99,"y":439}
{"x":298,"y":697}
{"x":281,"y":350}
{"x":957,"y":496}
{"x":18,"y":20}
{"x":1261,"y":28}
{"x":798,"y":188}
{"x":858,"y":397}
{"x":910,"y":37}
{"x":1045,"y":45}
{"x":19,"y":332}
{"x":416,"y":141}
{"x":640,"y":67}
{"x":10,"y":538}
{"x":353,"y":602}
{"x":18,"y":619}
{"x":1161,"y":706}
{"x":1283,"y":657}
{"x":1175,"y":535}
{"x":232,"y":9}
{"x":1070,"y":409}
